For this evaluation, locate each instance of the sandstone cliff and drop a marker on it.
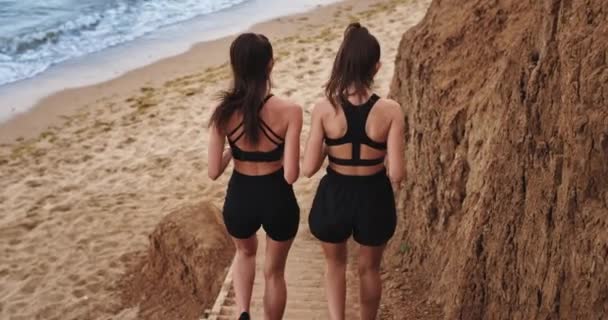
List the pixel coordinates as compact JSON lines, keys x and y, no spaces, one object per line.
{"x":506,"y":203}
{"x":184,"y":268}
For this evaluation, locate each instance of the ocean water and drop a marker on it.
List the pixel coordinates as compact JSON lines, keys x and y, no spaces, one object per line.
{"x":51,"y":45}
{"x":36,"y":34}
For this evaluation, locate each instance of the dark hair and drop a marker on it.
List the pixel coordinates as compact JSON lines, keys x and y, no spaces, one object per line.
{"x":355,"y":64}
{"x":250,"y":56}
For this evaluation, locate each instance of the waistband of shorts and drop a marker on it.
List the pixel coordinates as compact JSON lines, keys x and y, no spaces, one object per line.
{"x":257,"y":178}
{"x":335,"y":175}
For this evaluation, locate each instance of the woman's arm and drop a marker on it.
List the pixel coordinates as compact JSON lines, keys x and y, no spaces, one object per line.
{"x":291,"y":161}
{"x":395,"y":146}
{"x":315,"y":150}
{"x":218,"y":157}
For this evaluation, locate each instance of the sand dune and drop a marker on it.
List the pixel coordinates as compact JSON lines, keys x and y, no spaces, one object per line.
{"x":79,"y":199}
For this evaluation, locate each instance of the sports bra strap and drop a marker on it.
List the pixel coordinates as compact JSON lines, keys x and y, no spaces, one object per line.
{"x":231,"y":133}
{"x":257,"y":156}
{"x":268,"y":132}
{"x":356,"y":120}
{"x":237,"y":137}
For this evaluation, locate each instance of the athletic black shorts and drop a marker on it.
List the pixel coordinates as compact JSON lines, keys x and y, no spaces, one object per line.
{"x":261,"y":201}
{"x":363,"y":206}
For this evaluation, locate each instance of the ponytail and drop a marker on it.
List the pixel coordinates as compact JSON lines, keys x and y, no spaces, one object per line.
{"x":354,"y":65}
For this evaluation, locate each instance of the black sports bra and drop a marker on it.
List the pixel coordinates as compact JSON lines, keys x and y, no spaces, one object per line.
{"x":356,"y":118}
{"x":275,"y":154}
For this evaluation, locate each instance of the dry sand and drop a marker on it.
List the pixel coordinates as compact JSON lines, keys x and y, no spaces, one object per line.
{"x":79,"y":198}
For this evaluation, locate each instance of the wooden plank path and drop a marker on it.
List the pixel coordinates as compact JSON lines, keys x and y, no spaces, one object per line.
{"x":305,"y":284}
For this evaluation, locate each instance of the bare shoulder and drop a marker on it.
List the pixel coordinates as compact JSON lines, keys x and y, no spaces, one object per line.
{"x":322,"y":107}
{"x":286,"y":106}
{"x":391,"y":107}
{"x":390,"y":104}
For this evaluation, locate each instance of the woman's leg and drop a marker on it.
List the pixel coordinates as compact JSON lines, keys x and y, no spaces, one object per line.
{"x":275,"y":288}
{"x":335,"y":278}
{"x":370,"y":288}
{"x":244,"y":271}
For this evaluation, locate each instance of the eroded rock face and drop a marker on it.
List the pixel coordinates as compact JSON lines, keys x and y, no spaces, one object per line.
{"x":183,"y":270}
{"x":506,"y":207}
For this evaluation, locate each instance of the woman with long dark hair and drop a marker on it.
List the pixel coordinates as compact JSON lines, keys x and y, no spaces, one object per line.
{"x":360,"y":133}
{"x":263,"y":132}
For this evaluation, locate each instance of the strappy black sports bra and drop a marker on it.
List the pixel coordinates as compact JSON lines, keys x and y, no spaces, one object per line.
{"x":356,"y":118}
{"x":275,"y":154}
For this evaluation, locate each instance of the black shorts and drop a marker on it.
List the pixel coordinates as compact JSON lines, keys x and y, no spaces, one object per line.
{"x":363,"y":206}
{"x":255,"y":201}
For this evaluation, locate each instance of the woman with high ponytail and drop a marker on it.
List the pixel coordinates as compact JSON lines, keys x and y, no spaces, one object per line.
{"x":362,"y":136}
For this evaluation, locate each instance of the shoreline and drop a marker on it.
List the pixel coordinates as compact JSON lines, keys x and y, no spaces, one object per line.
{"x":52,"y":110}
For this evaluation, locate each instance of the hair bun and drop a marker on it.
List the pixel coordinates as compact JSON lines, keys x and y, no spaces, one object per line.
{"x":352,"y":27}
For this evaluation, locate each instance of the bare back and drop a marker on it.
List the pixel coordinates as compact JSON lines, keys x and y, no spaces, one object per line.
{"x":276,"y":117}
{"x":376,"y":127}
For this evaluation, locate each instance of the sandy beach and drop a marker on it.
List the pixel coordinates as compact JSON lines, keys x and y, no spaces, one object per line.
{"x":89,"y":172}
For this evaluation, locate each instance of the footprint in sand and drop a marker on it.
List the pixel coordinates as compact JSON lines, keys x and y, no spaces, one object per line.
{"x":49,"y":312}
{"x":93,"y":287}
{"x":78,"y":293}
{"x":69,"y":188}
{"x":56,"y":297}
{"x":29,"y":249}
{"x":31,"y":285}
{"x":30,"y":225}
{"x":18,"y":306}
{"x":34,"y":183}
{"x":42,"y":269}
{"x":61,"y":208}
